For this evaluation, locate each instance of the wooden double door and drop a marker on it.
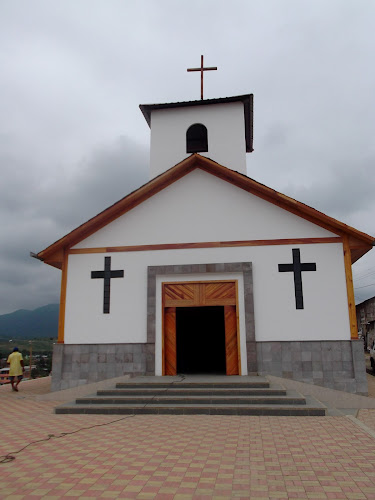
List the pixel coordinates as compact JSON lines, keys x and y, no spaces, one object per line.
{"x":200,"y":294}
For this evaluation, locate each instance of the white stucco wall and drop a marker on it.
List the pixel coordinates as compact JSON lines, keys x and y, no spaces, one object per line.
{"x":325,"y":316}
{"x":225,"y":125}
{"x":201,"y":207}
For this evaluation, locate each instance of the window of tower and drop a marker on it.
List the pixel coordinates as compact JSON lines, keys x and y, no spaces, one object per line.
{"x":196,"y":139}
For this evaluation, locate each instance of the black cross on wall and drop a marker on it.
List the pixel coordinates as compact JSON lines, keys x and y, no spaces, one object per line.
{"x":296,"y":268}
{"x":107,"y":274}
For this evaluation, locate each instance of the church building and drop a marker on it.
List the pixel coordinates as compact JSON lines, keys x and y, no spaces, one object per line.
{"x":204,"y":270}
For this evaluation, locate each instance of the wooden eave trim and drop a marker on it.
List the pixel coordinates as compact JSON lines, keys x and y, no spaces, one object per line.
{"x":56,"y":259}
{"x":54,"y":263}
{"x":205,"y":244}
{"x":180,"y":170}
{"x":356,"y":253}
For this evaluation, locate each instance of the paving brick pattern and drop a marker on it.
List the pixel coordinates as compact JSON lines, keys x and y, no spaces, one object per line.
{"x":180,"y":457}
{"x":368,"y":418}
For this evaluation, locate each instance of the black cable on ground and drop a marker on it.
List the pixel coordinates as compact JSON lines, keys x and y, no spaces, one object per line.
{"x":9,"y":457}
{"x":4,"y":459}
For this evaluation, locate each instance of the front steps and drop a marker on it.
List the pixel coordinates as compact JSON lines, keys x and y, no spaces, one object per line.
{"x":193,"y":395}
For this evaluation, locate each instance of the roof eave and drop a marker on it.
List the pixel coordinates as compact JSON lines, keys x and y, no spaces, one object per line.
{"x":359,"y":242}
{"x":117,"y":209}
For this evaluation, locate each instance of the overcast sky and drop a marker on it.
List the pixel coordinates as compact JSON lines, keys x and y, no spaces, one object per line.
{"x":73,"y":140}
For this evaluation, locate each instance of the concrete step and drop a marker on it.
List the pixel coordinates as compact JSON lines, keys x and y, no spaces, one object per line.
{"x":195,"y":381}
{"x":311,"y":408}
{"x":295,"y":399}
{"x":193,"y":391}
{"x":189,"y":395}
{"x":196,"y":385}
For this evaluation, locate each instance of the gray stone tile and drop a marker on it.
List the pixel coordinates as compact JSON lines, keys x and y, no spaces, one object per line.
{"x":337,"y":355}
{"x":326,"y":356}
{"x":316,"y":347}
{"x":337,"y":366}
{"x":69,"y":348}
{"x":85,"y":349}
{"x":307,"y":366}
{"x":297,"y":366}
{"x":317,"y":365}
{"x":276,"y":369}
{"x":287,"y":357}
{"x":67,"y":360}
{"x":296,"y":356}
{"x":327,"y":375}
{"x":316,"y":356}
{"x":331,"y":344}
{"x":138,"y":357}
{"x":308,"y":346}
{"x":276,"y":349}
{"x":306,"y":355}
{"x":347,"y":356}
{"x":295,"y":346}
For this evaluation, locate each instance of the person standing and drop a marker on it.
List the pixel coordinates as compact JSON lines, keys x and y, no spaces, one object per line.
{"x":16,"y":368}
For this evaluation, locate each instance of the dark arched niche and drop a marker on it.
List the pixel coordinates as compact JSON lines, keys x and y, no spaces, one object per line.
{"x":196,"y":139}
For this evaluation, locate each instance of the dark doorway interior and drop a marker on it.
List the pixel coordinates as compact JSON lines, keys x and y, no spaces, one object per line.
{"x":200,"y":333}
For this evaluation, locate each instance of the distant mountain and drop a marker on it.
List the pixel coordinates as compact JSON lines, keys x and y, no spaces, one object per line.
{"x":24,"y":324}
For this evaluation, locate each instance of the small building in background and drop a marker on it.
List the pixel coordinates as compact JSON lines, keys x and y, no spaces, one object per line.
{"x":366,"y":321}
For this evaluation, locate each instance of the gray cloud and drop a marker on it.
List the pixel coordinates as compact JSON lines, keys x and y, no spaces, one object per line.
{"x":73,"y":141}
{"x":36,"y":213}
{"x":345,"y":192}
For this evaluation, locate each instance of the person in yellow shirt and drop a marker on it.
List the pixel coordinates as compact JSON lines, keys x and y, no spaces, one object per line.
{"x":16,"y":368}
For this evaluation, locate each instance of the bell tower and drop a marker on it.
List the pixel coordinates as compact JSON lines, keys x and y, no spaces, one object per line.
{"x":221,"y":129}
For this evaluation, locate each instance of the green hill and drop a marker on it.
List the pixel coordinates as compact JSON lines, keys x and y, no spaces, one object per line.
{"x":24,"y":324}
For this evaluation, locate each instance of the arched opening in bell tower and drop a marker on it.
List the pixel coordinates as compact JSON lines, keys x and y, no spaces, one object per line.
{"x":196,"y":139}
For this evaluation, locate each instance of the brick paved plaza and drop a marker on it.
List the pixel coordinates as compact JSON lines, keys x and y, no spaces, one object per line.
{"x":180,"y":457}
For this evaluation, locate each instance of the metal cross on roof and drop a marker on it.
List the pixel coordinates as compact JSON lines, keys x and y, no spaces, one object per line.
{"x":201,"y":69}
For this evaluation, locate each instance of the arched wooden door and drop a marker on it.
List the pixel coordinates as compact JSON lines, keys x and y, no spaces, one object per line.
{"x":198,"y":294}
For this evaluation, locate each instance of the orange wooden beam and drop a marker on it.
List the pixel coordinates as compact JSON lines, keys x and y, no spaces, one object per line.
{"x":64,"y":276}
{"x":206,"y":244}
{"x":350,"y":290}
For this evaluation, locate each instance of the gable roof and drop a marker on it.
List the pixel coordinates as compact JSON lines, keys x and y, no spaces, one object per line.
{"x":360,"y":243}
{"x":246,"y":99}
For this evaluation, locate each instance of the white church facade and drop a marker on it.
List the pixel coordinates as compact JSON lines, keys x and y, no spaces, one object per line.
{"x":204,"y":270}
